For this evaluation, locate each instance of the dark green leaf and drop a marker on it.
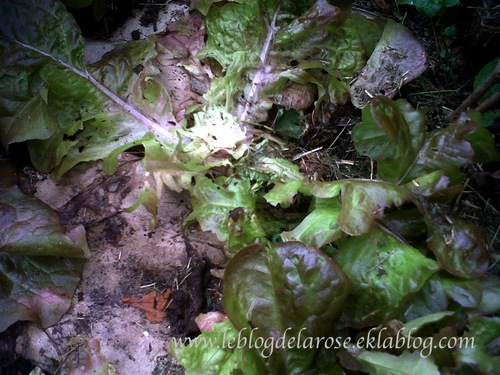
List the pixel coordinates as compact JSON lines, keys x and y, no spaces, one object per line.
{"x":288,"y":124}
{"x":482,"y":142}
{"x":490,"y":302}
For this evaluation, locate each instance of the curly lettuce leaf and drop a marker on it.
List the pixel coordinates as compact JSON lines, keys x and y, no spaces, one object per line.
{"x":226,"y":207}
{"x":276,"y":52}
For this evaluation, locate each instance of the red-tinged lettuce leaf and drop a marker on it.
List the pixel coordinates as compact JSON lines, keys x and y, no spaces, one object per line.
{"x":226,"y":207}
{"x":397,"y":59}
{"x":388,"y":273}
{"x":434,"y":187}
{"x":381,"y":363}
{"x":460,"y":247}
{"x":320,"y":226}
{"x":40,"y":265}
{"x":479,"y":353}
{"x":220,"y":351}
{"x":284,"y":292}
{"x":445,"y":149}
{"x":392,"y":133}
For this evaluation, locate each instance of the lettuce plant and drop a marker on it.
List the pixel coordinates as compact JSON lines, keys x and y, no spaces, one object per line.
{"x":367,"y":255}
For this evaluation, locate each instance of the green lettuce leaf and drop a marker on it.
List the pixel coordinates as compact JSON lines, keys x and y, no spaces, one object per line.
{"x":388,"y":273}
{"x":40,"y":264}
{"x":380,"y":363}
{"x":481,"y":353}
{"x":320,"y":226}
{"x":68,"y":112}
{"x":392,"y":133}
{"x":363,"y":201}
{"x":226,"y":207}
{"x":220,"y":351}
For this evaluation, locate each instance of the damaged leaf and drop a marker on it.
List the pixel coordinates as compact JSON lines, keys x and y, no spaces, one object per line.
{"x":281,"y":53}
{"x":397,"y":59}
{"x":153,"y":304}
{"x":226,"y":207}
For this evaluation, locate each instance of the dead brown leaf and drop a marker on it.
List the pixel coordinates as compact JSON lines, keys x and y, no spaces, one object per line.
{"x":154,"y":304}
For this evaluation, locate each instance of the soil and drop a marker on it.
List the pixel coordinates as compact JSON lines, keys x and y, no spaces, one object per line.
{"x":130,"y":258}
